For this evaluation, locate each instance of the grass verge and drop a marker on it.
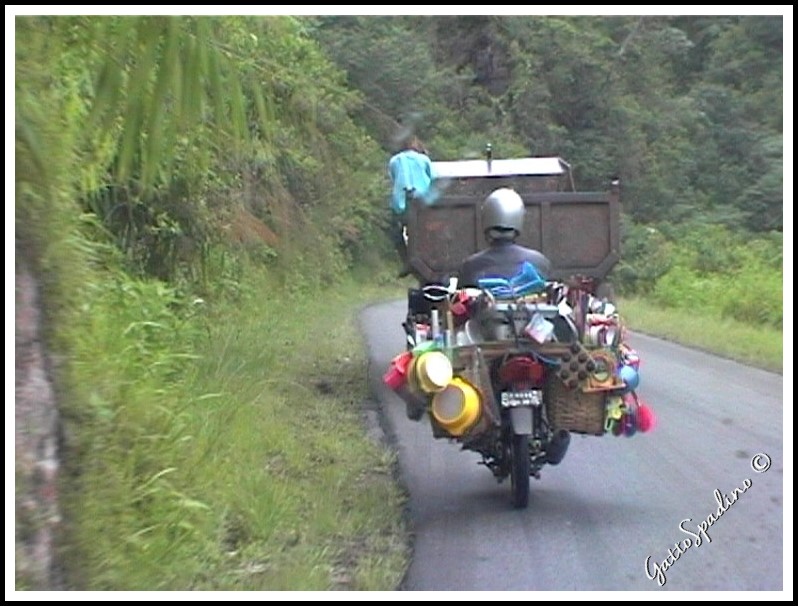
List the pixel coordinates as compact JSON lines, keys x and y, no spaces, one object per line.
{"x":252,"y":472}
{"x":758,"y":346}
{"x":303,"y":499}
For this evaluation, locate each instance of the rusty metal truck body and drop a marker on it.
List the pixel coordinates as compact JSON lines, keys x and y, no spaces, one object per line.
{"x":578,"y":231}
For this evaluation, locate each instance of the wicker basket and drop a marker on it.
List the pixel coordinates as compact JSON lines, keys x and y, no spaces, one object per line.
{"x":573,"y":409}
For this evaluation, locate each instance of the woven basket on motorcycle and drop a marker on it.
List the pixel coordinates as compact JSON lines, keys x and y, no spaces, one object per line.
{"x":574,"y":409}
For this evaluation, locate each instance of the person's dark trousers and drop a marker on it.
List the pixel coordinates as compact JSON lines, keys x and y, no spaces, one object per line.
{"x":398,"y":224}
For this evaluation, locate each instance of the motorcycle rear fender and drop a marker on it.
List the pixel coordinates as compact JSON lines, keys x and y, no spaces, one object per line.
{"x":521,"y":420}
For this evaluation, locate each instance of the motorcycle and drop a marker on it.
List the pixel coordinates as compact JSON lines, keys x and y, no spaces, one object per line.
{"x":511,"y":374}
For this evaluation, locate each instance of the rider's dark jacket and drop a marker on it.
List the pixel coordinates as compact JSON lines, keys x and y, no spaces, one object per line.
{"x":502,"y":259}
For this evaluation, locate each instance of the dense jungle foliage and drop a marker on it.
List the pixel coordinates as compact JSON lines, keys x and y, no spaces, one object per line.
{"x":165,"y":165}
{"x":176,"y":134}
{"x":686,"y":111}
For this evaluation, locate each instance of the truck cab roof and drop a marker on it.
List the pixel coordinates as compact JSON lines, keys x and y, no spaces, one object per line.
{"x":509,"y":167}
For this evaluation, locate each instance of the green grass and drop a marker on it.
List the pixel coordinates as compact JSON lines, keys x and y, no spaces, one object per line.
{"x":246,"y":468}
{"x":760,"y":346}
{"x":308,"y":501}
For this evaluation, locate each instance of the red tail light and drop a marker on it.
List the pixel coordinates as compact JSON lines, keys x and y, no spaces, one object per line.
{"x":522,"y":373}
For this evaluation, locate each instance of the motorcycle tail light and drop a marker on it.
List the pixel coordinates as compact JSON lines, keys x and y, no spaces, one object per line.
{"x":522,"y":371}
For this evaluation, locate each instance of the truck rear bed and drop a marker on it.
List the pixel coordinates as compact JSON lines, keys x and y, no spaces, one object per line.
{"x":578,"y":231}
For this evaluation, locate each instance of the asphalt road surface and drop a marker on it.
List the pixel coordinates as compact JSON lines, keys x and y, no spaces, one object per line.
{"x":617,"y":510}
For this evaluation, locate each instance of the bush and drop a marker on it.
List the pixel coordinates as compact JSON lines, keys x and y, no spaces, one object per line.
{"x":727,"y":273}
{"x":645,"y":258}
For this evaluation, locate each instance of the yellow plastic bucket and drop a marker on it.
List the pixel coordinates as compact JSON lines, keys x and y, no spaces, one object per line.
{"x":431,"y":372}
{"x":457,"y":407}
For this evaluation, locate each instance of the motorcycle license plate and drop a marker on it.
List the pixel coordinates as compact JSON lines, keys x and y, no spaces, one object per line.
{"x":530,"y":397}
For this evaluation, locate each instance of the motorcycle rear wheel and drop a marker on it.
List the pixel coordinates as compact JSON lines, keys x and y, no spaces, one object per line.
{"x":519,"y":470}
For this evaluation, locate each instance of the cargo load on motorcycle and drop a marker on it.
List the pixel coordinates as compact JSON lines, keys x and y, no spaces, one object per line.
{"x":512,"y":365}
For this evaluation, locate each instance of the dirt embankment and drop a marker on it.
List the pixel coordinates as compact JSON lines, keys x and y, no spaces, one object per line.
{"x":36,"y":446}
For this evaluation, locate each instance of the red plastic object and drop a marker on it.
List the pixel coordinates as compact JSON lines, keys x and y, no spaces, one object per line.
{"x":396,"y":375}
{"x":402,"y":362}
{"x":393,"y":378}
{"x":646,"y":419}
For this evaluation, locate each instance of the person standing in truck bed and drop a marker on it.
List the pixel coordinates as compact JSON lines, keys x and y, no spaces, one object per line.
{"x":411,"y":176}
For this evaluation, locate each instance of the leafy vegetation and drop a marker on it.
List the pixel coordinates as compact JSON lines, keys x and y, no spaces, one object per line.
{"x":155,"y":158}
{"x":687,"y":111}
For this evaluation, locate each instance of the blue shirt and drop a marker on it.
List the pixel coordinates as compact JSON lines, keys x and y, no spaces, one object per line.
{"x":411,"y":173}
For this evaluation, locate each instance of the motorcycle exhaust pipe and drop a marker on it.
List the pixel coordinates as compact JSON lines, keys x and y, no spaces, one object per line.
{"x":558,"y":446}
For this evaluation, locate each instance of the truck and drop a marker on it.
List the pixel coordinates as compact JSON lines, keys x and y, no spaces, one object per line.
{"x":578,"y":231}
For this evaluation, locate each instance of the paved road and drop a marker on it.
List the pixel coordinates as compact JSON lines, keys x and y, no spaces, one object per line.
{"x":613,"y":503}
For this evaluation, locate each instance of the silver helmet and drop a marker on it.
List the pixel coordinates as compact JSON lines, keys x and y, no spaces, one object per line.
{"x":503,"y":213}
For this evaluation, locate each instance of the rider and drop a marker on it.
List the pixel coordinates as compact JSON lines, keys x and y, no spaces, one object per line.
{"x":502,"y":219}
